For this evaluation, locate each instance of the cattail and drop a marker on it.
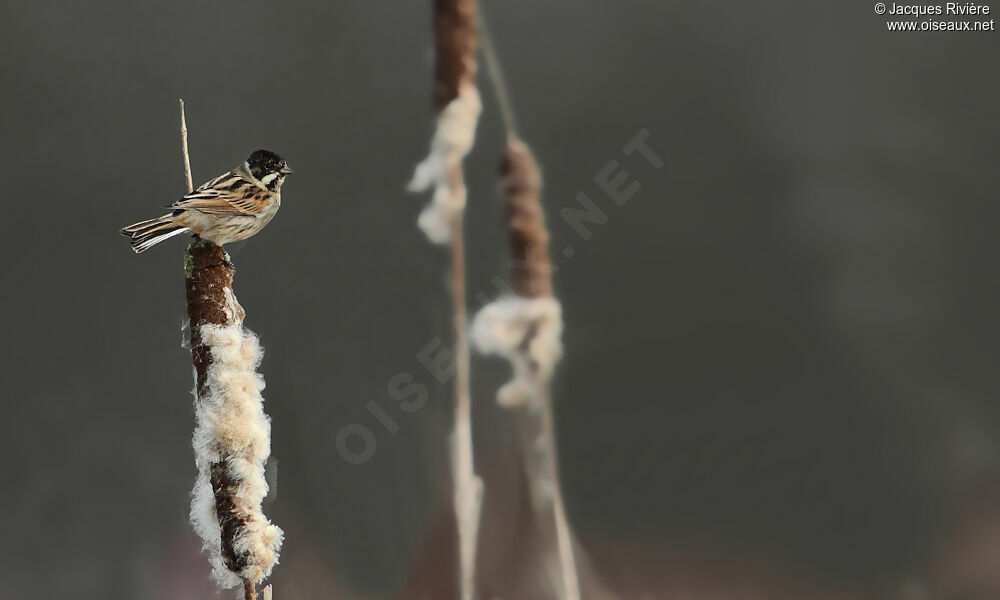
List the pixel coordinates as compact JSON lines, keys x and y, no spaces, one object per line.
{"x":232,"y":434}
{"x":526,"y":329}
{"x":442,"y":169}
{"x":456,"y":101}
{"x":232,"y":437}
{"x":521,"y":183}
{"x":458,"y":106}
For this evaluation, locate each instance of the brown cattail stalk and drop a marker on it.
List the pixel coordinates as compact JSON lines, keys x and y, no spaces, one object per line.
{"x":521,"y":181}
{"x":232,"y":438}
{"x":456,"y":101}
{"x":454,"y":49}
{"x":454,"y":74}
{"x":526,"y":330}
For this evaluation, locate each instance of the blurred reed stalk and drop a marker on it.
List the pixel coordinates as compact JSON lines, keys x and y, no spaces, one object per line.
{"x":532,"y":278}
{"x":232,"y":437}
{"x":456,"y":101}
{"x":527,"y":329}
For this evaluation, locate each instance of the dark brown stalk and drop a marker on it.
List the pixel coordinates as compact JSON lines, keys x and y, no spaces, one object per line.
{"x":208,"y":273}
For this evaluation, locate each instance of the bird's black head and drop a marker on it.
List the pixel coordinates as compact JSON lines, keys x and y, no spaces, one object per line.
{"x":268,"y":167}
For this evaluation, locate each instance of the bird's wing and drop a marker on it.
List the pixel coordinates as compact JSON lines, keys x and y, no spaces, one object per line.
{"x":230,"y":194}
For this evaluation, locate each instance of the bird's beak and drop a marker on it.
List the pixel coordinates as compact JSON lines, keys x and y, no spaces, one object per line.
{"x":287,"y":170}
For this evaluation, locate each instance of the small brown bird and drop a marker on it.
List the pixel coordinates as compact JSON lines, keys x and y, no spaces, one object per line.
{"x":229,"y":208}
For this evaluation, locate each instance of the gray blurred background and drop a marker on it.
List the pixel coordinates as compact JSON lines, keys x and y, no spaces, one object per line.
{"x":780,"y":354}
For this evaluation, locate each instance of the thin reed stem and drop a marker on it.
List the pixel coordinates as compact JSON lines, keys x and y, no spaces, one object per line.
{"x":567,"y":561}
{"x":468,"y":486}
{"x":463,"y":404}
{"x":184,"y":149}
{"x":495,"y":73}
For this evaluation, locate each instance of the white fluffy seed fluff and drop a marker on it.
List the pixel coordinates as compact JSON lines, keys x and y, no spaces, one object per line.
{"x":231,"y":423}
{"x":453,"y":139}
{"x":527,"y":332}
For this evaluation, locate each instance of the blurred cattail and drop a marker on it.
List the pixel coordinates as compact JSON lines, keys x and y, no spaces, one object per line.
{"x":526,"y":329}
{"x":232,"y":435}
{"x":457,"y":103}
{"x":442,"y":169}
{"x":521,"y":184}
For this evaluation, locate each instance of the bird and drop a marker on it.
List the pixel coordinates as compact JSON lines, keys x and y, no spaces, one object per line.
{"x":232,"y":207}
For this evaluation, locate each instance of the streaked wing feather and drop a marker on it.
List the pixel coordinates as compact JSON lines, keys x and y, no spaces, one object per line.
{"x":224,"y":195}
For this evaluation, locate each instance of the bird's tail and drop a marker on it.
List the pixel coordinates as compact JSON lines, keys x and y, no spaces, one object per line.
{"x":146,"y":234}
